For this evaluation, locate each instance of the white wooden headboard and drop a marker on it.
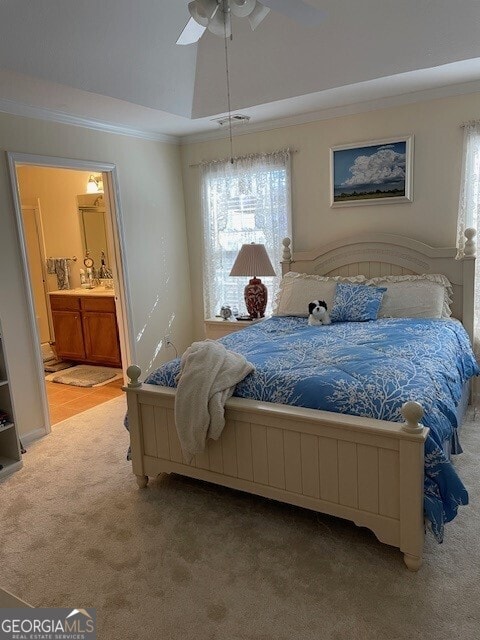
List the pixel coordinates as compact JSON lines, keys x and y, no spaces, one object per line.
{"x":385,"y":254}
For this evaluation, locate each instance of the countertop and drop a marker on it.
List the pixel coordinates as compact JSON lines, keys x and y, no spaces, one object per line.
{"x":97,"y":291}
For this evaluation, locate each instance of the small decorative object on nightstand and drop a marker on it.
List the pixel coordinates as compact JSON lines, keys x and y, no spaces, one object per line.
{"x":226,"y":312}
{"x":253,"y":260}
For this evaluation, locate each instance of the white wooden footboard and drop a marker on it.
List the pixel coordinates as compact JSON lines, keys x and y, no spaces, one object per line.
{"x":364,"y":470}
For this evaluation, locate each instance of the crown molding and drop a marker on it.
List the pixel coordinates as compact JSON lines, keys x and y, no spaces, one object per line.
{"x":15,"y":108}
{"x":328,"y":113}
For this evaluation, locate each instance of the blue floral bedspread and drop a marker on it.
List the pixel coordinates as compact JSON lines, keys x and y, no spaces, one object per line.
{"x":365,"y":369}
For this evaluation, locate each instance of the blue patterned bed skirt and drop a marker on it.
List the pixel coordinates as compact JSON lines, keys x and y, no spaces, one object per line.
{"x":365,"y":369}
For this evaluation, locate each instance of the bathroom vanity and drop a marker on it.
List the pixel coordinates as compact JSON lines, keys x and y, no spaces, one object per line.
{"x":85,"y":326}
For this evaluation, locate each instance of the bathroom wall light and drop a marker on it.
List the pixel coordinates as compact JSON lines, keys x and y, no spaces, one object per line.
{"x":95,"y":184}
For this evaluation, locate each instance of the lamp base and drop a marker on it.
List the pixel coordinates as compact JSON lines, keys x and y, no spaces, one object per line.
{"x":256,"y":296}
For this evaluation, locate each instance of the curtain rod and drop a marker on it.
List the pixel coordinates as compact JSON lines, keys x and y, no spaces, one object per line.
{"x":249,"y":155}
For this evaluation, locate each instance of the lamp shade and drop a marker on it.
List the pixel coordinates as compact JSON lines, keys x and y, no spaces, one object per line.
{"x":252,"y":260}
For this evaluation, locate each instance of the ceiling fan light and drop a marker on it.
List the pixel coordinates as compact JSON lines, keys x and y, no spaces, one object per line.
{"x":258,"y":14}
{"x":202,"y":11}
{"x":242,"y":8}
{"x":221,"y":24}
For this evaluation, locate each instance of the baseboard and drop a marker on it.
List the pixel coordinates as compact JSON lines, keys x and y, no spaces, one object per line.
{"x":26,"y":438}
{"x":7,"y":600}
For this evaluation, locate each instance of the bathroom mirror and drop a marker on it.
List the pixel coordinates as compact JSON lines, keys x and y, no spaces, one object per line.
{"x":91,"y":210}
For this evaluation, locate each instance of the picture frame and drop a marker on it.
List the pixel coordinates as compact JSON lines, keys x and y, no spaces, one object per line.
{"x":372,"y":172}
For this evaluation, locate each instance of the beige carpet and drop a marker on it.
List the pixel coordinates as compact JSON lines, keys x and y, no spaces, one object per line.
{"x":184,"y":560}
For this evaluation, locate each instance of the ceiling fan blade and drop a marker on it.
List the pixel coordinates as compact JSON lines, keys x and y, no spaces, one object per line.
{"x":297,"y":10}
{"x":192,"y":32}
{"x":258,"y":14}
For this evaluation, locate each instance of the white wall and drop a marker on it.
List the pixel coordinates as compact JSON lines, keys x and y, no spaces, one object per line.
{"x":437,"y":163}
{"x":153,"y":217}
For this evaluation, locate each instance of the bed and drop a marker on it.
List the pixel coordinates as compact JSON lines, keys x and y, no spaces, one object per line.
{"x":368,"y":470}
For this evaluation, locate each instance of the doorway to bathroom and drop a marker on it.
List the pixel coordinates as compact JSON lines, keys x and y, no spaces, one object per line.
{"x":72,"y":250}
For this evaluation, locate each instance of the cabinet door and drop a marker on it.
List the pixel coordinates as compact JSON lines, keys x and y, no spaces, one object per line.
{"x":101,"y":337}
{"x":68,"y":335}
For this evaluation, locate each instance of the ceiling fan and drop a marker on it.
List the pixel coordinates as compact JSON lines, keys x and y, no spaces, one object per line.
{"x":215,"y":15}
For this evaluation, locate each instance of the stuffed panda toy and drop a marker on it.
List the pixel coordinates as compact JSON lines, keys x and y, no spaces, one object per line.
{"x":318,"y":313}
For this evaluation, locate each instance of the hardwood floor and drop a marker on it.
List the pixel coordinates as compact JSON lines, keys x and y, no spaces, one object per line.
{"x":66,"y":401}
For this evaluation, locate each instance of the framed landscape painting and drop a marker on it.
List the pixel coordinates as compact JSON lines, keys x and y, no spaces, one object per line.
{"x":375,"y":172}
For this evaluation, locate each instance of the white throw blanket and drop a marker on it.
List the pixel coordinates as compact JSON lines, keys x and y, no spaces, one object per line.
{"x":208,"y":376}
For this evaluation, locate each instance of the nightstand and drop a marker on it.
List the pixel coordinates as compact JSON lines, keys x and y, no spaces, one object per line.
{"x":216,"y":328}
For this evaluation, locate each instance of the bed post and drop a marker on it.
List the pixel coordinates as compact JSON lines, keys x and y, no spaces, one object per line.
{"x":135,"y":425}
{"x":286,"y":256}
{"x":412,"y":460}
{"x":469,"y":253}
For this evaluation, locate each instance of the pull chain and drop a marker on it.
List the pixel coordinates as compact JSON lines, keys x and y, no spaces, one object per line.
{"x":225,"y":17}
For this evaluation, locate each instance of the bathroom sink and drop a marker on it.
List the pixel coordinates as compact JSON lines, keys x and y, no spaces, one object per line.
{"x":79,"y":291}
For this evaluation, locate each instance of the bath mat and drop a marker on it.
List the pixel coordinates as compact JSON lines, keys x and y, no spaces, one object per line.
{"x":47,"y":353}
{"x":52,"y":366}
{"x":86,"y":376}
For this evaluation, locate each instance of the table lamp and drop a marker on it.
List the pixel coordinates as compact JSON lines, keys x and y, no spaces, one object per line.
{"x":253,"y":260}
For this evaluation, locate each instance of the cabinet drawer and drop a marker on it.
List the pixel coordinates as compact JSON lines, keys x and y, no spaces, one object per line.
{"x":64,"y":303}
{"x":98,"y":304}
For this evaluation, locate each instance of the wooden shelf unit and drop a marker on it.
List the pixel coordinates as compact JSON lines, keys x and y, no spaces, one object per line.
{"x":10,"y":455}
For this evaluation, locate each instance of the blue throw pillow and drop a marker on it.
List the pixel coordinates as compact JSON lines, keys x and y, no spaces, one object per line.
{"x":356,"y":303}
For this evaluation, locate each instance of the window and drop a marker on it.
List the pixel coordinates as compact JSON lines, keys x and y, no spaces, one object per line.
{"x":248,"y":201}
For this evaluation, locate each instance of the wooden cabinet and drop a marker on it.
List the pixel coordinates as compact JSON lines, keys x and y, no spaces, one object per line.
{"x":101,"y":339}
{"x":69,"y":343}
{"x":86,"y":329}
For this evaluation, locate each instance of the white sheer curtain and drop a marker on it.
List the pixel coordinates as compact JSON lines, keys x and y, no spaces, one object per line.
{"x":247,"y":201}
{"x":469,"y":202}
{"x":469,"y":208}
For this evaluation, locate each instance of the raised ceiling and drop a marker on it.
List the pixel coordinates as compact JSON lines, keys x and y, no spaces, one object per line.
{"x":116,"y":61}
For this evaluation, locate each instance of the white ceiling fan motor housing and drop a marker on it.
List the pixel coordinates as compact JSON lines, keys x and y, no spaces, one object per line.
{"x":202,"y":11}
{"x":242,"y":8}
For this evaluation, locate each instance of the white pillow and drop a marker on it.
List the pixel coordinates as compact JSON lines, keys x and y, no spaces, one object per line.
{"x":298,"y":289}
{"x":422,"y":296}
